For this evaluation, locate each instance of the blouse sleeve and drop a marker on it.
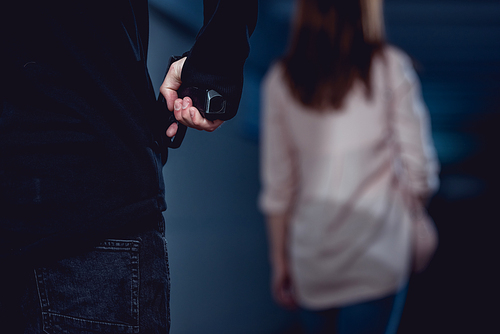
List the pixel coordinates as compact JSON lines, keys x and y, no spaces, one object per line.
{"x":278,"y":177}
{"x":413,"y":131}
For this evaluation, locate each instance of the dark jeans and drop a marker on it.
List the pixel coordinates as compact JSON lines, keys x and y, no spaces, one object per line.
{"x":380,"y":316}
{"x":120,"y":286}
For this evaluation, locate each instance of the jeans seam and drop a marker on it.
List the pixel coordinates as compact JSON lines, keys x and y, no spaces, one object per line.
{"x":53,"y":314}
{"x":134,"y":285}
{"x":42,"y":297}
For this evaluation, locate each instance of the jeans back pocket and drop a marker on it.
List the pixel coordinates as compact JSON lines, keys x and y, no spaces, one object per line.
{"x":97,"y":292}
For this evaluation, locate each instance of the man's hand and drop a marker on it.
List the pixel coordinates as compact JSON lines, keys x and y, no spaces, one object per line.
{"x":183,"y":109}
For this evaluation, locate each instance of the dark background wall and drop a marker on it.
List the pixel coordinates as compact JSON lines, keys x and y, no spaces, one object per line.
{"x":217,"y":242}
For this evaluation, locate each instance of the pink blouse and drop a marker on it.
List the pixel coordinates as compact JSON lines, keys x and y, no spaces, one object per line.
{"x":337,"y":173}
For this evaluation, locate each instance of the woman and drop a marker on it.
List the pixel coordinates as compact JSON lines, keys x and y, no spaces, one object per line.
{"x":345,"y":130}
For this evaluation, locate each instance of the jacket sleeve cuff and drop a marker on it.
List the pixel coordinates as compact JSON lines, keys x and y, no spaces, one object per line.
{"x":229,"y":85}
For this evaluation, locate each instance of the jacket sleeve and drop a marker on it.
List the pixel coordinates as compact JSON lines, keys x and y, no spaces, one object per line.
{"x":217,"y":58}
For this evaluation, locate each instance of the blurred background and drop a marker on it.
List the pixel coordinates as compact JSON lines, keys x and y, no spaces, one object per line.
{"x":216,"y":235}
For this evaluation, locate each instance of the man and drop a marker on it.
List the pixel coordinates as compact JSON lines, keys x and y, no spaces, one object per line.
{"x":82,"y":145}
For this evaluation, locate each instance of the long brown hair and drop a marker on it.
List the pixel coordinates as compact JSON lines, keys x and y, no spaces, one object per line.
{"x":333,"y":44}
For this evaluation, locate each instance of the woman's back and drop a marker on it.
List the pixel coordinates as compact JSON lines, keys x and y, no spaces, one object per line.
{"x":335,"y":171}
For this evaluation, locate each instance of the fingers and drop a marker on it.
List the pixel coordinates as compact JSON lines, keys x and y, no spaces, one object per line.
{"x":183,"y":109}
{"x":284,"y":297}
{"x":286,"y":301}
{"x":283,"y":292}
{"x":188,"y":115}
{"x":172,"y":83}
{"x":172,"y":130}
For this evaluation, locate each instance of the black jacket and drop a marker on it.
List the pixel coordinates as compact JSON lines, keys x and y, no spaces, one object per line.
{"x":81,"y":133}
